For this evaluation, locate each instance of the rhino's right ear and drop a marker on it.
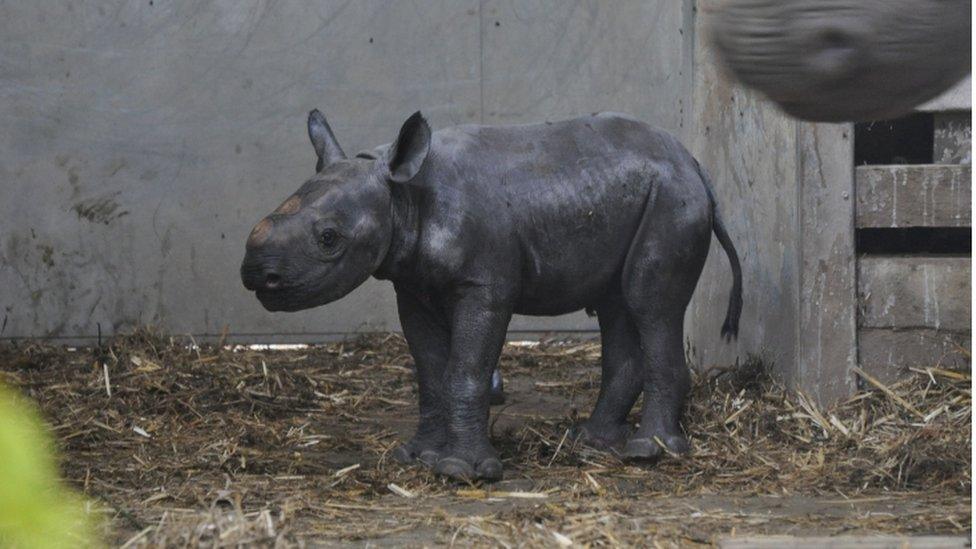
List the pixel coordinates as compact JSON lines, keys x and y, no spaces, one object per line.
{"x":326,"y":146}
{"x":407,"y":155}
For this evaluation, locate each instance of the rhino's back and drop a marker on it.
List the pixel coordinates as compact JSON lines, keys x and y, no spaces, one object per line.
{"x":558,"y":144}
{"x":570,"y":194}
{"x":605,"y":158}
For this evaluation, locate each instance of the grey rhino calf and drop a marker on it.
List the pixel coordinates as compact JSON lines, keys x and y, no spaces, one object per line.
{"x":475,"y":223}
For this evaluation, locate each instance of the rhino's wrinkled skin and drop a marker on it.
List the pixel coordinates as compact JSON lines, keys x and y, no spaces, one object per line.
{"x":473,"y":224}
{"x":845,"y":60}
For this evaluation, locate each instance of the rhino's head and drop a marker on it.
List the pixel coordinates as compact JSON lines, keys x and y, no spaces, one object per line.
{"x":334,"y":232}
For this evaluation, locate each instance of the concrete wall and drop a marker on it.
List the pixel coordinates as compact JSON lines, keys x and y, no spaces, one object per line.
{"x":143,"y":139}
{"x":749,"y":149}
{"x":786,"y":189}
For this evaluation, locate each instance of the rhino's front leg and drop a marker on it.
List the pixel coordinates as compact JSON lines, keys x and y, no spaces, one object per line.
{"x":478,"y":327}
{"x":428,"y":336}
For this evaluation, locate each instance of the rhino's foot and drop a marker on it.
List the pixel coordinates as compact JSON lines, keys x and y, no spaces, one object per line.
{"x":601,"y":436}
{"x":470,"y":466}
{"x":427,"y":452}
{"x":642,"y":447}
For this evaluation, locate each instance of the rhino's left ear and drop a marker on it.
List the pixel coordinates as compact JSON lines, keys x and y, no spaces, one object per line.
{"x":407,"y":155}
{"x":323,"y":140}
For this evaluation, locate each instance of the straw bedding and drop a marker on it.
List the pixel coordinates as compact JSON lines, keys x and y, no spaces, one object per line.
{"x":217,"y":446}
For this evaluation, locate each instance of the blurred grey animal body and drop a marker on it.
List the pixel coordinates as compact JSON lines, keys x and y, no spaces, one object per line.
{"x":845,"y":60}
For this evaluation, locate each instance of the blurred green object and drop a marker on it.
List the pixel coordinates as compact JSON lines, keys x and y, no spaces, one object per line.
{"x":36,"y":509}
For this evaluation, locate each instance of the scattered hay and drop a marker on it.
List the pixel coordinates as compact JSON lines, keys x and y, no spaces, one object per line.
{"x":213,"y":446}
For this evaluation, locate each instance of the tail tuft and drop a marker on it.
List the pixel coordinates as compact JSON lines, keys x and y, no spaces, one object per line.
{"x":730,"y":328}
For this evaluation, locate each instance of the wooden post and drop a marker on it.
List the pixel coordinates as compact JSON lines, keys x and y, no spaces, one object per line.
{"x":827,"y":325}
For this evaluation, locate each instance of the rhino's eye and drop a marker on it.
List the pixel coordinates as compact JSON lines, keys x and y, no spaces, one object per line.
{"x":329,"y":238}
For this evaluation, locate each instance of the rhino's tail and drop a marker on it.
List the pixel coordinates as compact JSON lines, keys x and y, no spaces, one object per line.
{"x":730,"y":328}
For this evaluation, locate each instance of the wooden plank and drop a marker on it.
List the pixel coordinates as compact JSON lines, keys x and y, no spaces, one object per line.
{"x":887,"y":354}
{"x":839,"y":542}
{"x":914,"y":196}
{"x":827,"y":322}
{"x":915,"y":292}
{"x":953,"y":142}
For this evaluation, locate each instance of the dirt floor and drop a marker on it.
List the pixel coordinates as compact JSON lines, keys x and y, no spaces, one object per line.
{"x":213,"y":446}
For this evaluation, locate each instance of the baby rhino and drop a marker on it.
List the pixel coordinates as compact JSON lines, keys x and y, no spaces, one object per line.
{"x":473,"y":224}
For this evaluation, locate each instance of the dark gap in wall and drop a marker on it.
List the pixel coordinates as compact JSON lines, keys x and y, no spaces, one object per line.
{"x":915,"y":240}
{"x":907,"y":140}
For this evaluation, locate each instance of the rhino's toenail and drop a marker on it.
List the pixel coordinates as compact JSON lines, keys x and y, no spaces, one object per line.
{"x":455,"y":468}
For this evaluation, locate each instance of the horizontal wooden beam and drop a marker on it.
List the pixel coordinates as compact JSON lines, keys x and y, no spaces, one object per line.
{"x":887,"y":354}
{"x":913,"y":196}
{"x":915,"y":292}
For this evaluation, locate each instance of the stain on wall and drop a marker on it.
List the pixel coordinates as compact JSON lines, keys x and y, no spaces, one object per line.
{"x":99,"y":210}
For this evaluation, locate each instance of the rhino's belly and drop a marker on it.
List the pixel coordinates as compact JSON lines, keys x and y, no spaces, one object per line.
{"x":570,"y":271}
{"x":553,"y":301}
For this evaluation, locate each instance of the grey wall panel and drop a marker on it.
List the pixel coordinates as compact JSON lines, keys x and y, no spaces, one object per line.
{"x":558,"y":59}
{"x":142,"y":141}
{"x":555,"y":59}
{"x":749,"y":148}
{"x":786,"y":190}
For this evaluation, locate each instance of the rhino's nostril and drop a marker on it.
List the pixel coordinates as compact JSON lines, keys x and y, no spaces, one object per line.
{"x":272,"y":281}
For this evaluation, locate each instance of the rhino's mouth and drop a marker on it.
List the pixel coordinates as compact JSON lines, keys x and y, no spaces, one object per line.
{"x":295,"y":297}
{"x":283,"y":299}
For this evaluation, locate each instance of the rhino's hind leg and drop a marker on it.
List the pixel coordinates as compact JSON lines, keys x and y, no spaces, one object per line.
{"x":429,"y":340}
{"x":660,"y":275}
{"x":496,"y":396}
{"x":621,"y":380}
{"x":666,"y":386}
